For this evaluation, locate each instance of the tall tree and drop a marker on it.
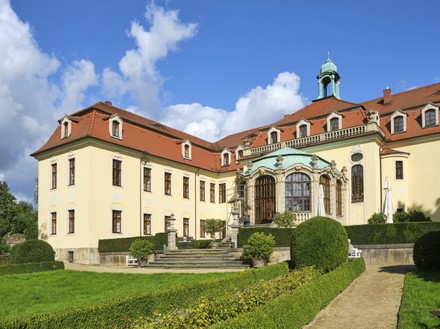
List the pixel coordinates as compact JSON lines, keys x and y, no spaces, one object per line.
{"x":7,"y":208}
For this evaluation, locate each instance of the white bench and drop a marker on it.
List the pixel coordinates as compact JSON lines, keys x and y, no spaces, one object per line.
{"x":355,"y":253}
{"x":131,"y":261}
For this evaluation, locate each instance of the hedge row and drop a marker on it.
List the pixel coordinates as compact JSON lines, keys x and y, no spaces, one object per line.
{"x":210,"y":310}
{"x":117,"y":313}
{"x":31,"y":267}
{"x":295,"y":309}
{"x":4,"y":258}
{"x":123,"y":244}
{"x":282,"y":236}
{"x":390,"y":233}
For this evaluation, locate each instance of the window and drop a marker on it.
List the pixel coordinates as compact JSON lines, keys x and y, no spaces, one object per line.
{"x":54,"y":176}
{"x":167,"y":223}
{"x":202,"y":228}
{"x":71,"y":221}
{"x":334,"y":124}
{"x":167,"y":183}
{"x":264,"y":198}
{"x":430,"y":118}
{"x":117,"y":165}
{"x":357,"y":183}
{"x":202,"y":190}
{"x":238,"y":154}
{"x":71,"y":171}
{"x":187,"y":151}
{"x":325,"y":182}
{"x":115,"y":128}
{"x":186,"y":227}
{"x":356,"y":157}
{"x":338,"y":198}
{"x":226,"y":157}
{"x":222,"y":193}
{"x":186,"y":187}
{"x":273,"y":137}
{"x":302,"y":131}
{"x":65,"y":129}
{"x":212,"y":192}
{"x":54,"y":222}
{"x":116,"y":226}
{"x":147,"y":224}
{"x":398,"y":124}
{"x":147,"y":179}
{"x":298,"y":192}
{"x":399,"y":169}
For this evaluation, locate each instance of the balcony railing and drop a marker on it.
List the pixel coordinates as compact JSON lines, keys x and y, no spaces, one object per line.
{"x":310,"y":140}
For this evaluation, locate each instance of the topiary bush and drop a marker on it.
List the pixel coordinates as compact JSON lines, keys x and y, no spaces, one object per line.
{"x":31,"y":251}
{"x":321,"y":242}
{"x":259,"y":246}
{"x":426,"y":252}
{"x":141,"y":249}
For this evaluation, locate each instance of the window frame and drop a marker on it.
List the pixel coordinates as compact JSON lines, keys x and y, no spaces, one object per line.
{"x":398,"y":120}
{"x":71,"y":221}
{"x":202,"y":228}
{"x":185,"y":187}
{"x":324,"y":180}
{"x":72,"y":171}
{"x":147,"y":179}
{"x":399,"y":169}
{"x":430,"y":108}
{"x":212,"y":192}
{"x":167,"y":223}
{"x":222,"y":193}
{"x":53,"y":216}
{"x":273,"y":136}
{"x":357,"y":183}
{"x":147,"y":224}
{"x":202,"y":187}
{"x":117,"y":172}
{"x":167,"y":183}
{"x":265,"y":198}
{"x":338,"y":198}
{"x":54,"y":176}
{"x":116,"y":221}
{"x":299,"y":125}
{"x":185,"y":227}
{"x":298,"y":192}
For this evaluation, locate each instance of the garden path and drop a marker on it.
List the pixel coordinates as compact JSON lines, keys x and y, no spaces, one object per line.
{"x":371,"y":301}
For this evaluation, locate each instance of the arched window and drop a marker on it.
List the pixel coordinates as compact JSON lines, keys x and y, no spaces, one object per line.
{"x":264,"y":198}
{"x":66,"y":129}
{"x":338,"y":198}
{"x":298,"y":192}
{"x":324,"y":180}
{"x":334,"y":124}
{"x":357,"y":183}
{"x":398,"y":124}
{"x":302,"y":131}
{"x":115,"y":128}
{"x":430,"y":119}
{"x":273,"y":137}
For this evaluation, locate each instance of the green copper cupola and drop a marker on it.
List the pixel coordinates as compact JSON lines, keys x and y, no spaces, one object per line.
{"x":328,"y":80}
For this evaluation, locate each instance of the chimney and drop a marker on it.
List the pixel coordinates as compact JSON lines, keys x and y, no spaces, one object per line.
{"x":387,"y":96}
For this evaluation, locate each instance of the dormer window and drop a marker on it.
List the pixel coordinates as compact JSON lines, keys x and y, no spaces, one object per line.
{"x":186,"y":150}
{"x":273,"y":136}
{"x":430,"y":116}
{"x":302,"y":129}
{"x":226,"y":158}
{"x":334,"y":122}
{"x":66,"y":127}
{"x":398,"y":122}
{"x":115,"y":127}
{"x":238,"y":153}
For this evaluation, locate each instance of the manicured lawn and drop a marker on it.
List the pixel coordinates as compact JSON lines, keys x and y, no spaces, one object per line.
{"x":421,"y":294}
{"x":29,"y":294}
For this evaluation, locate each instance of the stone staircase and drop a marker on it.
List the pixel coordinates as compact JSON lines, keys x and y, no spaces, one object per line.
{"x":197,"y":258}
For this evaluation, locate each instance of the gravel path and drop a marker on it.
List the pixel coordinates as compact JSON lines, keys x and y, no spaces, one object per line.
{"x":371,"y":301}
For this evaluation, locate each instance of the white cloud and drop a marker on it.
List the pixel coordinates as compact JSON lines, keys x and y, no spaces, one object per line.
{"x":258,"y":107}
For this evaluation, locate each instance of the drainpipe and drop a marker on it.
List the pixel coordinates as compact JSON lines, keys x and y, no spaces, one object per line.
{"x":195,"y":201}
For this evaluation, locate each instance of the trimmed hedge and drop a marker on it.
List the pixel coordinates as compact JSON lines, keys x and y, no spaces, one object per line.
{"x":31,"y":251}
{"x":282,"y":235}
{"x":195,"y":244}
{"x":390,"y":233}
{"x":123,"y":244}
{"x":295,"y":309}
{"x":31,"y":267}
{"x":119,"y":312}
{"x":427,"y":252}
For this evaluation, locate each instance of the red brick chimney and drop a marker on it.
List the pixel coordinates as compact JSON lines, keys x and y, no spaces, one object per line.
{"x":387,"y":96}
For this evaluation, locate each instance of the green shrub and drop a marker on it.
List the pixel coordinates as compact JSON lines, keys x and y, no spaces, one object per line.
{"x":31,"y":267}
{"x":282,"y":235}
{"x":4,"y":258}
{"x":401,"y":217}
{"x":116,"y":313}
{"x":377,"y":218}
{"x":212,"y":309}
{"x":195,"y":244}
{"x":384,"y":234}
{"x":141,"y":249}
{"x":123,"y":244}
{"x":321,"y":242}
{"x":418,"y":216}
{"x":31,"y":251}
{"x":300,"y":306}
{"x":427,"y":252}
{"x":213,"y":226}
{"x":259,"y":246}
{"x":285,"y":219}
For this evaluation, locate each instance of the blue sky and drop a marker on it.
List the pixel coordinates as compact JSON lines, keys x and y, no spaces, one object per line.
{"x":207,"y":67}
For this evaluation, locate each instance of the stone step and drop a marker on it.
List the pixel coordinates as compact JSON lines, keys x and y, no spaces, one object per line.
{"x":197,"y":265}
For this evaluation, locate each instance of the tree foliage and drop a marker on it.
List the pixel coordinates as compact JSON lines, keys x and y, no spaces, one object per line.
{"x":213,"y":226}
{"x":285,"y":219}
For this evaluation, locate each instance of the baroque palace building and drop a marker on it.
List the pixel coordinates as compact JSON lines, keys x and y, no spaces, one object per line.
{"x":108,"y":173}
